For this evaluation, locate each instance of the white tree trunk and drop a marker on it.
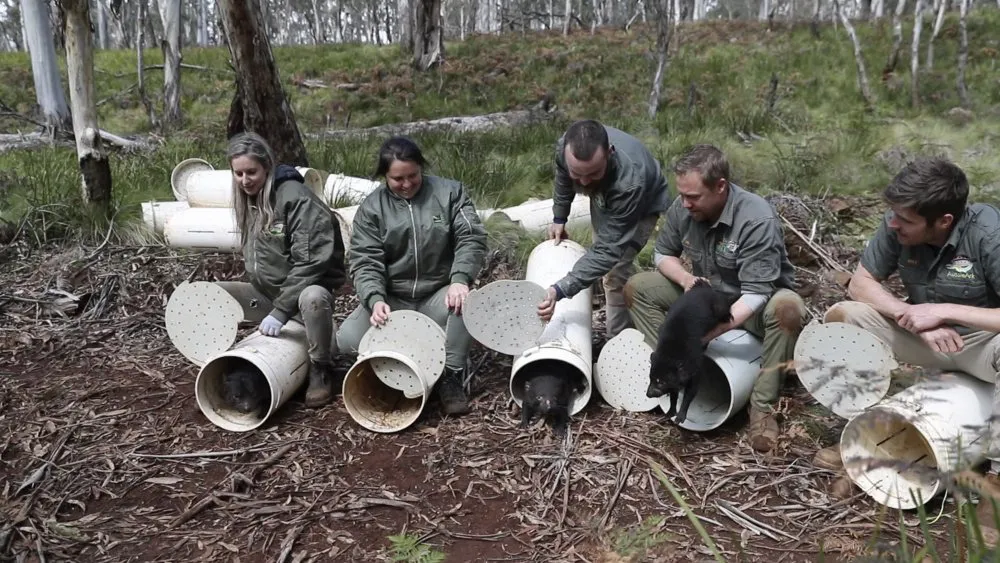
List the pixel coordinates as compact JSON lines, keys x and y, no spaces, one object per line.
{"x":942,"y":5}
{"x":94,"y":167}
{"x":568,"y":16}
{"x":866,"y":92}
{"x":202,"y":34}
{"x":317,"y":24}
{"x":170,"y":15}
{"x":918,"y":21}
{"x":897,"y":38}
{"x":44,"y":68}
{"x":664,"y":32}
{"x":461,"y":21}
{"x":963,"y":52}
{"x":405,"y":16}
{"x":102,"y":24}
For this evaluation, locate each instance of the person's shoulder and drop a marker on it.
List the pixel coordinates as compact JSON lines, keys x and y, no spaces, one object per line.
{"x":984,"y":222}
{"x":751,"y":206}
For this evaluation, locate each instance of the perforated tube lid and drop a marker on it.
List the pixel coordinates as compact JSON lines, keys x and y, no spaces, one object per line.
{"x":503,"y":315}
{"x":413,"y":335}
{"x":202,"y":320}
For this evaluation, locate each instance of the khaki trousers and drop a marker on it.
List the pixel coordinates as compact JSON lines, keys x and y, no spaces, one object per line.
{"x":616,"y":312}
{"x":650,"y":294}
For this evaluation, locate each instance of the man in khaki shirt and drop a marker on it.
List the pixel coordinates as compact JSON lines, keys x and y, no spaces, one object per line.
{"x":734,"y":240}
{"x":947,"y":253}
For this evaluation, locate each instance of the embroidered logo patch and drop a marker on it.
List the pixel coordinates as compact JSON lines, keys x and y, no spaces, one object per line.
{"x":437,"y":219}
{"x":960,"y":268}
{"x":277,"y":229}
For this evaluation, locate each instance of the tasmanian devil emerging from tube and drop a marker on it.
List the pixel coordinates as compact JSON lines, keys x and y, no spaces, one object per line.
{"x":679,"y":357}
{"x":549,"y":386}
{"x":245,"y":389}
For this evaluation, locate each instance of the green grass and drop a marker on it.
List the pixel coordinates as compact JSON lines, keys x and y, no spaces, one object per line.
{"x":407,"y":548}
{"x":817,"y":140}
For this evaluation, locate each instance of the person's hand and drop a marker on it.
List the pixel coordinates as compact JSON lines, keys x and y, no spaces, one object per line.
{"x":943,"y":339}
{"x":380,"y":314}
{"x":921,"y":318}
{"x":455,"y":298}
{"x":689,"y":283}
{"x":557,"y":231}
{"x":270,"y":326}
{"x":548,"y":305}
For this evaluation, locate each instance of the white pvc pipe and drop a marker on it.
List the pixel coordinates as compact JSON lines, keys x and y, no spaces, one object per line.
{"x":214,"y":188}
{"x":341,"y":189}
{"x":203,"y":228}
{"x":727,"y":383}
{"x":282,"y":360}
{"x":156,"y":213}
{"x":536,"y":215}
{"x":906,"y":443}
{"x":377,"y":406}
{"x":568,"y":335}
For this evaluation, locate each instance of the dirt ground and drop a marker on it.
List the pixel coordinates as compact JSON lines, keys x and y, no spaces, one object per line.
{"x":104,"y":455}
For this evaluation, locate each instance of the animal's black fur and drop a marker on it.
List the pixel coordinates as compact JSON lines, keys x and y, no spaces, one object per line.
{"x":680,"y":354}
{"x":549,"y":386}
{"x":245,"y":389}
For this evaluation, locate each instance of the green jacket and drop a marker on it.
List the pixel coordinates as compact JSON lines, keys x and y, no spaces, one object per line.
{"x":303,"y":247}
{"x":633,"y":188}
{"x":411,"y":249}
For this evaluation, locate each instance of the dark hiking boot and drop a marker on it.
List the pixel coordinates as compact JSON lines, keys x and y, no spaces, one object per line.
{"x":451,"y":393}
{"x":324,"y":383}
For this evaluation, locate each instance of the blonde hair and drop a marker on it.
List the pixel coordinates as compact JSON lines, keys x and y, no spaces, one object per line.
{"x":253,"y":214}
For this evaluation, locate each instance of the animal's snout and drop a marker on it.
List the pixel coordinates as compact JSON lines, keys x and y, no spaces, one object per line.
{"x":655,"y":390}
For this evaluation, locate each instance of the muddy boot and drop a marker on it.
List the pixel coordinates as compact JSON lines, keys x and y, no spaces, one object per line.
{"x":451,"y":393}
{"x":323,"y":384}
{"x":763,"y":430}
{"x":829,"y":458}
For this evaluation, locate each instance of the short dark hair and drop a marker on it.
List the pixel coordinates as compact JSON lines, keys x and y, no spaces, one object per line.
{"x":933,"y":187}
{"x":398,"y":148}
{"x":705,"y":159}
{"x":584,"y":137}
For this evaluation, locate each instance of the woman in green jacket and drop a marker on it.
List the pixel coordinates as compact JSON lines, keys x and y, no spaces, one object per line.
{"x":293,"y":254}
{"x":417,"y":243}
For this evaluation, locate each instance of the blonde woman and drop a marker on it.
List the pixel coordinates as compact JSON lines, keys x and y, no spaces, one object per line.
{"x":293,"y":254}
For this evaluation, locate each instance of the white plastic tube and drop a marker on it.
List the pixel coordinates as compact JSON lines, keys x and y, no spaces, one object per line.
{"x":340,"y":189}
{"x":203,"y":228}
{"x":726,"y":384}
{"x":534,"y":216}
{"x":897,"y":450}
{"x":283,"y":361}
{"x":568,"y":336}
{"x":156,"y":213}
{"x":214,"y":188}
{"x":377,"y":406}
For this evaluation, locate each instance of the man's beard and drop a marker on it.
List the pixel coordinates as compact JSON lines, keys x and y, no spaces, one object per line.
{"x":594,"y":187}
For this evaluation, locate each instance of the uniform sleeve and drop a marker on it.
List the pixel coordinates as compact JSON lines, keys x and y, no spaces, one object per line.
{"x":313,"y":246}
{"x":367,"y":258}
{"x":613,"y":238}
{"x":468,"y":239}
{"x":563,"y":193}
{"x":758,"y":260}
{"x":668,"y":242}
{"x":989,"y":252}
{"x":881,"y":256}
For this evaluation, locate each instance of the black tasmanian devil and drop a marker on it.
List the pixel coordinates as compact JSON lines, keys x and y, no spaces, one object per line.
{"x":679,"y":357}
{"x":549,"y":386}
{"x":245,"y":389}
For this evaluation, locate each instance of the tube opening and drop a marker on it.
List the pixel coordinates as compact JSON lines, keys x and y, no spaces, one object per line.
{"x":375,"y":405}
{"x":712,"y":404}
{"x":892,"y":457}
{"x":234,"y":393}
{"x":578,"y":380}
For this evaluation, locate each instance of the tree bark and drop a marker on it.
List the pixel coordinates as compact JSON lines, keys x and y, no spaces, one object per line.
{"x":942,"y":6}
{"x":568,"y":17}
{"x":664,"y":32}
{"x":918,"y":21}
{"x":405,"y":16}
{"x":94,"y":167}
{"x":866,"y":92}
{"x":261,"y":99}
{"x":897,"y":39}
{"x":963,"y":52}
{"x":44,"y":68}
{"x":140,"y":17}
{"x":170,"y":15}
{"x":428,"y":35}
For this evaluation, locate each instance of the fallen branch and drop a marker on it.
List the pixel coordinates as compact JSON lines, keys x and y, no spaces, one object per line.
{"x":542,"y":111}
{"x":12,"y":141}
{"x":819,"y":252}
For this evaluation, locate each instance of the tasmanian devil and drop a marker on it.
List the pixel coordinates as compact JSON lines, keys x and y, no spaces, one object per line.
{"x":680,"y":354}
{"x":549,"y":386}
{"x":246,"y":390}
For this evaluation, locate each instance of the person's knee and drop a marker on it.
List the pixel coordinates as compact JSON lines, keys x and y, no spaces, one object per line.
{"x":633,"y":289}
{"x":789,"y":311}
{"x":844,"y":312}
{"x":315,"y":298}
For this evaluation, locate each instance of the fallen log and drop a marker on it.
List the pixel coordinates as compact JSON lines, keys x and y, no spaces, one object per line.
{"x":542,"y":111}
{"x":14,"y":141}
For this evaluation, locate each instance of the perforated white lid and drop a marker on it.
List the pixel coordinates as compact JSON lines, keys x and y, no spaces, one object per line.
{"x":503,"y":315}
{"x":622,"y":374}
{"x":180,"y":173}
{"x":202,"y":320}
{"x":414,"y":335}
{"x":846,"y":368}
